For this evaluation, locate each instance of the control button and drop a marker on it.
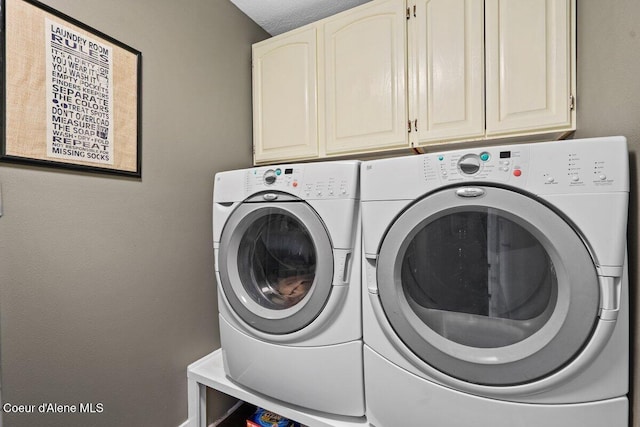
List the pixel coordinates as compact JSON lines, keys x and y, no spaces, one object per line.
{"x":294,"y":183}
{"x":602,"y":177}
{"x":485,"y":156}
{"x":278,"y":172}
{"x":269,"y":177}
{"x":444,"y":173}
{"x":506,"y":163}
{"x":441,"y":158}
{"x":506,"y":169}
{"x":469,"y":164}
{"x":344,"y":191}
{"x":550,"y":179}
{"x":575,"y":178}
{"x":517,"y":172}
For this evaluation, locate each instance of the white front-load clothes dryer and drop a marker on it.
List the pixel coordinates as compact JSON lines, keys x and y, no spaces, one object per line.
{"x":495,"y":286}
{"x":287,"y":250}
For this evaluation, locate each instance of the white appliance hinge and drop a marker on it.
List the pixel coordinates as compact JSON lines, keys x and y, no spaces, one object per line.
{"x":572,"y":102}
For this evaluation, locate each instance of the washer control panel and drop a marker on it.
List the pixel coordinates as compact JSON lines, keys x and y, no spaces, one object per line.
{"x":307,"y":181}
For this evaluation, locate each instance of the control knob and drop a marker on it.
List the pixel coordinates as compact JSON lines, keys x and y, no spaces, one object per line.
{"x":469,"y":164}
{"x":269,"y":177}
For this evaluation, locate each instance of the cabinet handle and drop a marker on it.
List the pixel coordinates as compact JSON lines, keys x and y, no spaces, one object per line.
{"x":415,"y":125}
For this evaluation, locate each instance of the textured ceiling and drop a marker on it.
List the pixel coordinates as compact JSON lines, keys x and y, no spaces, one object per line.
{"x":279,"y":16}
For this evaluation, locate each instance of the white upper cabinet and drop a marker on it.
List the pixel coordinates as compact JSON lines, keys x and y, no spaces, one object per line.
{"x":393,"y":74}
{"x":365,"y":101}
{"x":285,"y":119}
{"x":447,"y":64}
{"x":529,"y":66}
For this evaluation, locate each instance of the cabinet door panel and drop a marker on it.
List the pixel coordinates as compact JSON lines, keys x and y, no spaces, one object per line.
{"x":284,"y":97}
{"x":528,"y":65}
{"x":448,"y":64}
{"x":364,"y":74}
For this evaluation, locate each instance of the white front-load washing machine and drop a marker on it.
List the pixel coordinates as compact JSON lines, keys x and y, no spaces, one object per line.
{"x":495,"y":288}
{"x":287,"y":250}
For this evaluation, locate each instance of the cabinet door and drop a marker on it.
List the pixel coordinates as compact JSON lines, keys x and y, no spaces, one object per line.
{"x":284,"y":97}
{"x":529,"y":53}
{"x":365,"y":78}
{"x":447,"y":79}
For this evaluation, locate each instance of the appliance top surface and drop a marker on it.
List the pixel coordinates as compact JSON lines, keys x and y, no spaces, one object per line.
{"x":591,"y":166}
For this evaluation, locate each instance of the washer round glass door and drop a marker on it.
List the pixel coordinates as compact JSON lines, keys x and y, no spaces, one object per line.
{"x":488,"y":285}
{"x":276,"y":265}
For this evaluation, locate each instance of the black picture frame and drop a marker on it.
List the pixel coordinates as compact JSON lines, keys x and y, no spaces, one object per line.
{"x":70,"y":94}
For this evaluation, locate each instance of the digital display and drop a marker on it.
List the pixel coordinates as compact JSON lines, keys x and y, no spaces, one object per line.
{"x":288,"y":171}
{"x":505,"y":154}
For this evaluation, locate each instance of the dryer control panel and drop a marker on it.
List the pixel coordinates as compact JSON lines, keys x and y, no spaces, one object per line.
{"x":559,"y":166}
{"x":593,"y":165}
{"x":499,"y":164}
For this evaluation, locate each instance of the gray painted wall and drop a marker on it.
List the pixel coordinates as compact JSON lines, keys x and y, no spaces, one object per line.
{"x":107,"y":289}
{"x":608,"y":103}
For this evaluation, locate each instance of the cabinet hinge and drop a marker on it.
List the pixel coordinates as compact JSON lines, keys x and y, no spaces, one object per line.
{"x":409,"y":12}
{"x":572,"y":102}
{"x":409,"y":126}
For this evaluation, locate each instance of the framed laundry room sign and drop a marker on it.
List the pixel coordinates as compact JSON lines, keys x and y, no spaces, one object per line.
{"x":70,"y":94}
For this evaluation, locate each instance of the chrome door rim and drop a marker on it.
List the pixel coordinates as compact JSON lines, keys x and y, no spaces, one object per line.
{"x":275,"y":321}
{"x":547,"y":350}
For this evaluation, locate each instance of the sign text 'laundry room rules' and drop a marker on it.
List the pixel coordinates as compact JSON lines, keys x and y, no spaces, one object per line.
{"x":79,"y":88}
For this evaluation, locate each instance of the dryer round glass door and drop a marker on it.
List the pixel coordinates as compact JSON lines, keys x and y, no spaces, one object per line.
{"x":488,"y":285}
{"x":276,"y":265}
